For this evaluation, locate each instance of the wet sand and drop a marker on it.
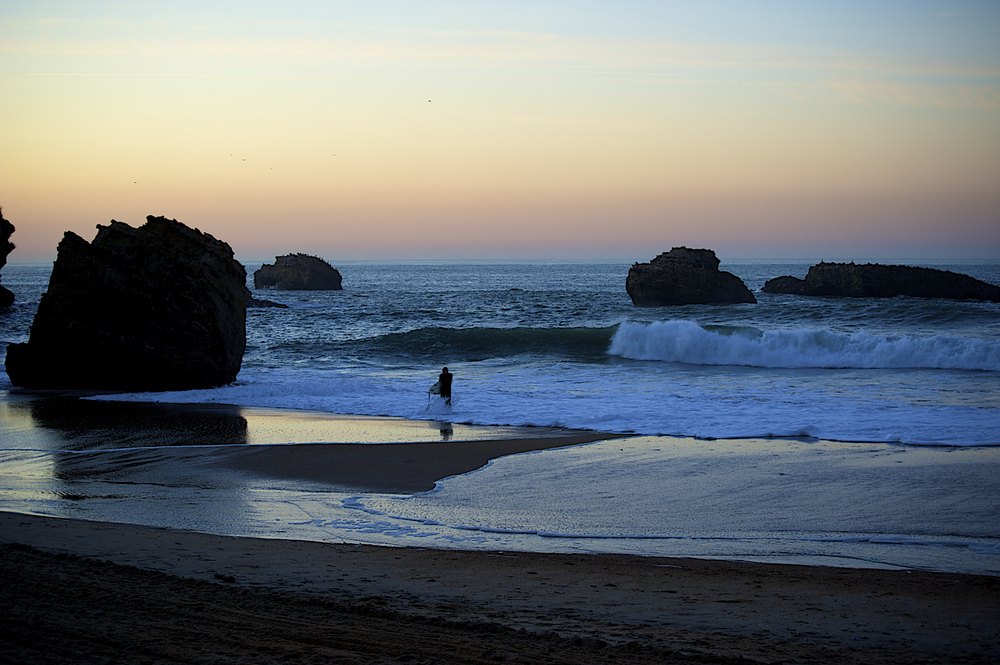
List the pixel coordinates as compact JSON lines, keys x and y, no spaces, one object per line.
{"x":73,"y":591}
{"x":63,"y":422}
{"x":400,"y":468}
{"x":355,"y":453}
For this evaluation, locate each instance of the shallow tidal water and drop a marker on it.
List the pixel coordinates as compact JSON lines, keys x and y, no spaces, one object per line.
{"x":785,"y":500}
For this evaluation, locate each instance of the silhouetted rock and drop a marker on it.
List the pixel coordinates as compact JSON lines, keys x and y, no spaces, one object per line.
{"x":684,"y":276}
{"x":161,"y":307}
{"x":259,"y":302}
{"x":873,"y":280}
{"x":297,"y":272}
{"x":6,"y":247}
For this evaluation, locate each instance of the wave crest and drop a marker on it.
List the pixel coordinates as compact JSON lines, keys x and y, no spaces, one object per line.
{"x":474,"y":344}
{"x":687,"y":342}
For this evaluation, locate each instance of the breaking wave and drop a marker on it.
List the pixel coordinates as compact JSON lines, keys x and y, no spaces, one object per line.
{"x":687,"y":342}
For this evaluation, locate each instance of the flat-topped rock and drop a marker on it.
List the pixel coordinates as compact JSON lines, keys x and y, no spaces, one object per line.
{"x":160,"y":307}
{"x":684,"y":276}
{"x":873,"y":280}
{"x":298,"y":272}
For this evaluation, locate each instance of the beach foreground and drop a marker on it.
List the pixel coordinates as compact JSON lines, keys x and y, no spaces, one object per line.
{"x":80,"y":591}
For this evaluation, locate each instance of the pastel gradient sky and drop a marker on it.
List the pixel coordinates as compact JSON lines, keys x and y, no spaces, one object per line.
{"x":371,"y":130}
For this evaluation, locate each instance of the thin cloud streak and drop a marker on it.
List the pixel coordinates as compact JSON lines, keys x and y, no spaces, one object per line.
{"x":465,"y":49}
{"x":985,"y":97}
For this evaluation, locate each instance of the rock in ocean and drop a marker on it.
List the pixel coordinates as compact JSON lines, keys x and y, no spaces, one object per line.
{"x":684,"y":276}
{"x":6,"y":247}
{"x":873,"y":280}
{"x":298,"y":272}
{"x":161,"y":307}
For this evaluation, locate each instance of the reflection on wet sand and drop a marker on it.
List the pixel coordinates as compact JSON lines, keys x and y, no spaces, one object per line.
{"x":446,"y":429}
{"x":129,"y":462}
{"x":76,"y":450}
{"x":68,"y":423}
{"x":90,"y":448}
{"x":230,"y":470}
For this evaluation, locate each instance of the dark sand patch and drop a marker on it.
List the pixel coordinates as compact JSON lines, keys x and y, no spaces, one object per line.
{"x":316,"y":602}
{"x":399,"y":468}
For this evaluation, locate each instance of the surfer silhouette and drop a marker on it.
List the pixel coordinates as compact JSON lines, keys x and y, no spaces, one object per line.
{"x":444,"y":379}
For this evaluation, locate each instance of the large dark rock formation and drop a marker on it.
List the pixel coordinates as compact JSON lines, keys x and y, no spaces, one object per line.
{"x":684,"y":276}
{"x":298,"y":272}
{"x":877,"y":281}
{"x":6,"y":247}
{"x":161,"y":307}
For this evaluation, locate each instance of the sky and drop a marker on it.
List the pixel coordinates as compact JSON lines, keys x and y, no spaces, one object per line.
{"x":478,"y":130}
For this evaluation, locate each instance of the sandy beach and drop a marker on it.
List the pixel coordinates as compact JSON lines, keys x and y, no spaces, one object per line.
{"x":75,"y":591}
{"x":82,"y":592}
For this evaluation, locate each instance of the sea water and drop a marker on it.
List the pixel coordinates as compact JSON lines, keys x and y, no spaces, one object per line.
{"x":826,"y":386}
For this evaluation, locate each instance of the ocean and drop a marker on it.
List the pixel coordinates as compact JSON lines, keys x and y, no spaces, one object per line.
{"x":830,"y":430}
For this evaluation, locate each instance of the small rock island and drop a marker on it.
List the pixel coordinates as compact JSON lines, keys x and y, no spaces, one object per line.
{"x":160,"y":307}
{"x":298,"y":272}
{"x":874,"y":280}
{"x":684,"y":276}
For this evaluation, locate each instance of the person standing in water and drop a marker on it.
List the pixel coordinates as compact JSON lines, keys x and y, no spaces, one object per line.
{"x":444,"y":378}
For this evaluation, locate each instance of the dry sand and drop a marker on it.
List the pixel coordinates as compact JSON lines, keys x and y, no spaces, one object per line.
{"x":85,"y":592}
{"x":244,"y":600}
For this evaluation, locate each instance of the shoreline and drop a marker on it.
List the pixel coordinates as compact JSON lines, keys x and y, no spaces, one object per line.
{"x":344,"y":452}
{"x":200,"y":466}
{"x":176,"y":595}
{"x":51,"y":417}
{"x":644,"y":609}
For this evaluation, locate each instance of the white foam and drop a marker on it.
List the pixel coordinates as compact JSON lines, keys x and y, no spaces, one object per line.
{"x":687,"y":342}
{"x":839,"y":405}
